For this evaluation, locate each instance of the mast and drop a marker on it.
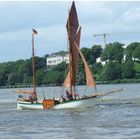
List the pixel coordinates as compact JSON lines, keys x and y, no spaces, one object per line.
{"x":74,"y":33}
{"x":34,"y":32}
{"x":70,"y":55}
{"x":72,"y":28}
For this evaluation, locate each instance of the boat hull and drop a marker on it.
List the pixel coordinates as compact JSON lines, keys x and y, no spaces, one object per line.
{"x":81,"y":103}
{"x":84,"y":103}
{"x":28,"y":105}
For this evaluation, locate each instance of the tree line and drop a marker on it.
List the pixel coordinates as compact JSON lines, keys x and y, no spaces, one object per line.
{"x":120,"y":65}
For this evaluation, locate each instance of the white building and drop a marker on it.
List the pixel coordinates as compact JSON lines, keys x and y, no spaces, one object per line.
{"x":99,"y":60}
{"x":53,"y":60}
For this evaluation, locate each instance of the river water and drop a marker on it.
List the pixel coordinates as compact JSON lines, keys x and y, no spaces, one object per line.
{"x":117,"y":116}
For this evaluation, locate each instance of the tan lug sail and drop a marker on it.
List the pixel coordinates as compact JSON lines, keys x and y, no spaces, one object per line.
{"x":74,"y":33}
{"x":89,"y":78}
{"x":72,"y":28}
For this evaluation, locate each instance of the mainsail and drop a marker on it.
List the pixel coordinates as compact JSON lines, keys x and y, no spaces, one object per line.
{"x":72,"y":29}
{"x":74,"y":32}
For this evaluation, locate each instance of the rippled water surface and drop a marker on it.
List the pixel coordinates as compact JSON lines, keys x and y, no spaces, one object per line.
{"x":118,"y":116}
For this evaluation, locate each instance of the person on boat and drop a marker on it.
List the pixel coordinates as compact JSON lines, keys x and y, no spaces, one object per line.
{"x":69,"y":97}
{"x":32,"y":98}
{"x":76,"y":95}
{"x":20,"y":97}
{"x":63,"y":98}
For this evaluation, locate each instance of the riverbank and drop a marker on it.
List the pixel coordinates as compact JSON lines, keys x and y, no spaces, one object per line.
{"x":118,"y":81}
{"x":121,"y":81}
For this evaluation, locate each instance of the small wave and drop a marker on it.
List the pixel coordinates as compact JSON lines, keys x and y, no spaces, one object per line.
{"x":103,"y":105}
{"x":7,"y":101}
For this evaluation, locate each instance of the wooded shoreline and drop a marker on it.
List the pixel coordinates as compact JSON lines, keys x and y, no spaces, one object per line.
{"x":121,"y":65}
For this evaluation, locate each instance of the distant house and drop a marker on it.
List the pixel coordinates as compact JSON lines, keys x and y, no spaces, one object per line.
{"x":99,"y":61}
{"x":57,"y":58}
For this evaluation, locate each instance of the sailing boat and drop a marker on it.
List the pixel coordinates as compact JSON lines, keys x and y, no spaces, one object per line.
{"x":31,"y":102}
{"x":74,"y":32}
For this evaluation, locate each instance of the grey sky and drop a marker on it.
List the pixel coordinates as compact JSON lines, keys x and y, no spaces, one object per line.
{"x":49,"y":18}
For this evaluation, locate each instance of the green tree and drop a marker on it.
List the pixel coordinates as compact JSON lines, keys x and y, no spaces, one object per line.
{"x":80,"y":77}
{"x":111,"y":71}
{"x":86,"y":53}
{"x":40,"y":74}
{"x":97,"y":68}
{"x":61,"y":67}
{"x":97,"y":50}
{"x":128,"y":69}
{"x":54,"y":77}
{"x":2,"y":82}
{"x":40,"y":62}
{"x":27,"y":79}
{"x":107,"y":54}
{"x":113,"y":52}
{"x":129,"y":50}
{"x":91,"y":54}
{"x":136,"y":53}
{"x":12,"y":78}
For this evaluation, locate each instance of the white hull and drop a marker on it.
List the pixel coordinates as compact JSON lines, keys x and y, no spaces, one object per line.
{"x":84,"y":103}
{"x":28,"y":105}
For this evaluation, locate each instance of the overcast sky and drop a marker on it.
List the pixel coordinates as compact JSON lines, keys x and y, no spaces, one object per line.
{"x":120,"y":19}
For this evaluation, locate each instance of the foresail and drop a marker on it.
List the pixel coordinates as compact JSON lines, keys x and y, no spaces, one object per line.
{"x":89,"y":78}
{"x":67,"y":80}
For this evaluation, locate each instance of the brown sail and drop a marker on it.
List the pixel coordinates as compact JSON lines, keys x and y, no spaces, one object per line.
{"x":77,"y":40}
{"x":72,"y":29}
{"x":74,"y":50}
{"x":89,"y":78}
{"x":72,"y":22}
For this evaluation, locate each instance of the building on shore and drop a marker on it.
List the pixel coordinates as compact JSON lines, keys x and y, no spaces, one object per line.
{"x":57,"y":58}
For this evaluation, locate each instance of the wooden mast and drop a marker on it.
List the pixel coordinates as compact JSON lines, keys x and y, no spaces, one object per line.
{"x":33,"y":62}
{"x":72,"y":28}
{"x":70,"y":55}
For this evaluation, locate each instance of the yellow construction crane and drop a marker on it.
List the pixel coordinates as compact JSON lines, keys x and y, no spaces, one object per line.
{"x":104,"y":36}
